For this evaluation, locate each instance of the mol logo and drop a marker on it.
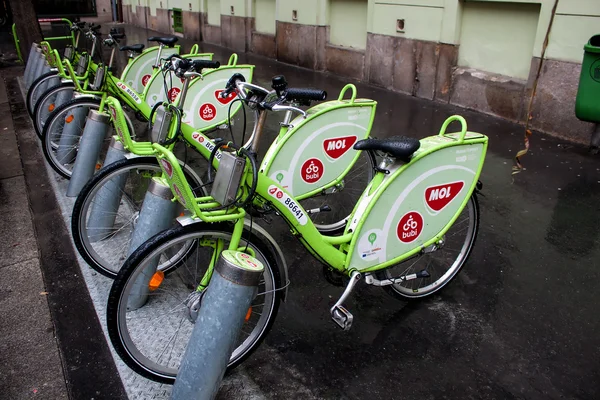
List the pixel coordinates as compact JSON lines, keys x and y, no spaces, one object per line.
{"x":337,"y":147}
{"x":225,"y":100}
{"x":439,"y":196}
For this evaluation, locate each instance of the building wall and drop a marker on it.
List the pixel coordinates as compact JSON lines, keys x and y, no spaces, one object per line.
{"x":479,"y":54}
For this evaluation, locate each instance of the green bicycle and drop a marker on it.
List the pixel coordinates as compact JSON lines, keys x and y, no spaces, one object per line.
{"x":411,"y":232}
{"x":63,"y":127}
{"x":342,"y":121}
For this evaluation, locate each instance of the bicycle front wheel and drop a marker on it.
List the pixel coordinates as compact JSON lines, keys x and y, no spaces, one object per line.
{"x":442,"y":261}
{"x":152,"y":339}
{"x":46,"y":103}
{"x":38,"y":87}
{"x":62,"y":132}
{"x":115,"y":196}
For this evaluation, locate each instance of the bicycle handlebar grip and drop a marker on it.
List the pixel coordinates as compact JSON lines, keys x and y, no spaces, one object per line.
{"x":305,"y":94}
{"x":201,"y":64}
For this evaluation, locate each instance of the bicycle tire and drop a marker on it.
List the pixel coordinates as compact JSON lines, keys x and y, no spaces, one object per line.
{"x":50,"y":137}
{"x":34,"y":88}
{"x":118,"y":317}
{"x":107,"y":254}
{"x":45,"y":102}
{"x":52,"y":132}
{"x":434,"y":286}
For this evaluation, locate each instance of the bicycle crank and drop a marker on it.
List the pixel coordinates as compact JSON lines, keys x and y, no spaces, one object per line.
{"x":340,"y":315}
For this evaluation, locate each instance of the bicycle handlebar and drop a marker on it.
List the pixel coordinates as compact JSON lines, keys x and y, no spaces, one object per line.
{"x":186,"y":68}
{"x":292,"y":94}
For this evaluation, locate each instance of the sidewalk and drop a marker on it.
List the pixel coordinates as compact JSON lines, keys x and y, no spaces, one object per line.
{"x":29,"y":357}
{"x":59,"y":352}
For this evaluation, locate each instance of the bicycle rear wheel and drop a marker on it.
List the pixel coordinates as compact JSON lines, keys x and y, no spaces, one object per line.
{"x":151,"y":339}
{"x":105,"y":248}
{"x":340,"y":199}
{"x":39,"y":86}
{"x":442,"y":261}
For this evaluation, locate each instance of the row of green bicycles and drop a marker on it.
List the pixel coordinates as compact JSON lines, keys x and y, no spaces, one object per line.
{"x":399,"y":213}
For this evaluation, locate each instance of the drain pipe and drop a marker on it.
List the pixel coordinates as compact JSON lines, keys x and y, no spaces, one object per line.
{"x":518,"y":167}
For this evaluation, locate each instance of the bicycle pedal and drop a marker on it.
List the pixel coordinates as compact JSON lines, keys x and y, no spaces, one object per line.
{"x":342,"y":317}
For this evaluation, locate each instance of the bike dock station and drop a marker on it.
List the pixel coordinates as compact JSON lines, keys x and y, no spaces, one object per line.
{"x":508,"y":304}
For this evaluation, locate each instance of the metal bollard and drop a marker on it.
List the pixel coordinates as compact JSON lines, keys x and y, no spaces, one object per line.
{"x":43,"y":86}
{"x":61,"y":98}
{"x":218,"y":325}
{"x":39,"y":69}
{"x":90,"y":146}
{"x":37,"y":59}
{"x":70,"y":135}
{"x":30,"y":62}
{"x":48,"y":84}
{"x":157,"y":214}
{"x":107,"y":200}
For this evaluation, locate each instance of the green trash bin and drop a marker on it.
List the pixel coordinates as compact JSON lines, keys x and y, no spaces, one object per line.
{"x":587,"y":105}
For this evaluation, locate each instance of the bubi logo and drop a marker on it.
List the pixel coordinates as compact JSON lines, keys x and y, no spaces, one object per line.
{"x":207,"y":111}
{"x":145,"y":79}
{"x":198,"y":137}
{"x":230,"y":97}
{"x":410,"y":227}
{"x":439,"y":196}
{"x":312,"y":170}
{"x":337,"y":147}
{"x":173,"y":93}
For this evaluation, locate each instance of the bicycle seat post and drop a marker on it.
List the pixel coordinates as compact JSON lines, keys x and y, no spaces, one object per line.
{"x":158,"y":54}
{"x":112,"y":57}
{"x":77,"y":38}
{"x":286,"y":119}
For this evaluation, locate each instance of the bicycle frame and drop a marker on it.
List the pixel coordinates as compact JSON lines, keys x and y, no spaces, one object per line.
{"x":342,"y":252}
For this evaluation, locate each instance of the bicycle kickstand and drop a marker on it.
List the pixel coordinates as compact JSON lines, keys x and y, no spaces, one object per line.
{"x":339,"y":313}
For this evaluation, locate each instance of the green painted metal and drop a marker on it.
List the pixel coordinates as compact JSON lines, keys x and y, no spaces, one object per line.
{"x":154,"y":87}
{"x":200,"y":207}
{"x":140,"y":68}
{"x":46,"y":39}
{"x":16,"y":39}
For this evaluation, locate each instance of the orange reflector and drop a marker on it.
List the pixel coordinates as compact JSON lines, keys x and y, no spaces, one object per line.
{"x":248,"y":314}
{"x":182,"y":214}
{"x":69,"y":119}
{"x":51,"y":107}
{"x":98,"y":166}
{"x":156,"y":280}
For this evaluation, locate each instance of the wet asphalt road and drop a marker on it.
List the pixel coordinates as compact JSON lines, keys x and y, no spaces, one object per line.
{"x":520,"y":321}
